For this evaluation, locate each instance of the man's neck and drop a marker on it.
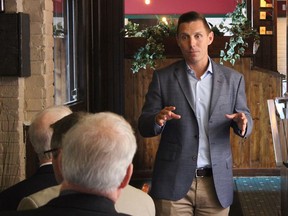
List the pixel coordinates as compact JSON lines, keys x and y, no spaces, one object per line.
{"x":199,"y":68}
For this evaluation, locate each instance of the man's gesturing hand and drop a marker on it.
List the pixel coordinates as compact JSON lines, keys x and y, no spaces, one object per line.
{"x":166,"y":114}
{"x":240,"y":119}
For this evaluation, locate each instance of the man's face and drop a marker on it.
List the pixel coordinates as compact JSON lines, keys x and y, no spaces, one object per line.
{"x":193,"y":40}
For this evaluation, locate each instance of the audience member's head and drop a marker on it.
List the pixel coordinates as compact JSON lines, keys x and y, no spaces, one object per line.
{"x":97,"y":155}
{"x":59,"y":129}
{"x":40,"y":132}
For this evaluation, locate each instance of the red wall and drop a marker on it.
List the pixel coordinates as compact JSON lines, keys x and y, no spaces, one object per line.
{"x":166,"y":7}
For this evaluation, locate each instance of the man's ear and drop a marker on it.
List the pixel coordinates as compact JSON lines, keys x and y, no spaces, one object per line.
{"x":210,"y":37}
{"x":59,"y":161}
{"x":127,"y":177}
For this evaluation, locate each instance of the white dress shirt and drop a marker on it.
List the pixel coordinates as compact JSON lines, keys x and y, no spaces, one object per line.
{"x":201,"y":97}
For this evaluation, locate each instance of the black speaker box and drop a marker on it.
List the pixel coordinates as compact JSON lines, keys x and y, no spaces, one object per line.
{"x":15,"y":44}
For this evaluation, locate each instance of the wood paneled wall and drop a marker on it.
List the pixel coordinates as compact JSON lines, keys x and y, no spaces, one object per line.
{"x":253,"y":153}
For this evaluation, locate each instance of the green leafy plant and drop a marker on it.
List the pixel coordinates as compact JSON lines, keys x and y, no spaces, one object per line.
{"x":216,"y":30}
{"x":240,"y":30}
{"x":154,"y":47}
{"x":131,"y":29}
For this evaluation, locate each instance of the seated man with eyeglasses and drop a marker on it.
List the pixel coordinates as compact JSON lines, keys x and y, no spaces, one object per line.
{"x":40,"y":135}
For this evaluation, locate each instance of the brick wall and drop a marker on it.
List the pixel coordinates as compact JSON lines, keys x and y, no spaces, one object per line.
{"x":22,"y":98}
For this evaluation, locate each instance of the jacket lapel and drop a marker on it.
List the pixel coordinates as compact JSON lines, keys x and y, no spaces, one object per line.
{"x":218,"y":78}
{"x":182,"y":78}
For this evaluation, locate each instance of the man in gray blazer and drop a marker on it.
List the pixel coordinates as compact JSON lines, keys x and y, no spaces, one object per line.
{"x":192,"y":104}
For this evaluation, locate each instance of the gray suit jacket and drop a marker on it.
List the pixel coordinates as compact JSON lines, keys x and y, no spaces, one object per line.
{"x":176,"y":158}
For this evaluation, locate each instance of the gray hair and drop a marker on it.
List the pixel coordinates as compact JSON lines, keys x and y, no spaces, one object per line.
{"x":97,"y":152}
{"x":40,"y":132}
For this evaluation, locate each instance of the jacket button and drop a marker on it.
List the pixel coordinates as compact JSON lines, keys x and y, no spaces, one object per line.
{"x":194,"y":158}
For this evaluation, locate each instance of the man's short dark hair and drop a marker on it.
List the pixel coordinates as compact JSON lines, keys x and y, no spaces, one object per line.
{"x":191,"y":17}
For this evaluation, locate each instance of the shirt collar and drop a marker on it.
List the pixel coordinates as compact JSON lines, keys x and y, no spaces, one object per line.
{"x":209,"y":69}
{"x":47,"y":163}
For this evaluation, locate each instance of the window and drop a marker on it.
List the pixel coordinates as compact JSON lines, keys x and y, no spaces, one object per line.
{"x":65,"y":49}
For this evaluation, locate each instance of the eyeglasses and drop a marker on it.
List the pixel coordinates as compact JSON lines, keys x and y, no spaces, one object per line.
{"x":51,"y":150}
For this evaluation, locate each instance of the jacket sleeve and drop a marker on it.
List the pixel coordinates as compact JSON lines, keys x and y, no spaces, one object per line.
{"x":241,"y":106}
{"x":152,"y":106}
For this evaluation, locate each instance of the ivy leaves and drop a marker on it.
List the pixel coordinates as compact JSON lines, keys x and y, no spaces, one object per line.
{"x":154,"y":47}
{"x":240,"y":29}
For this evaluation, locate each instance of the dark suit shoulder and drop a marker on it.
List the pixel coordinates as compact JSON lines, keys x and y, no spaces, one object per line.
{"x":43,"y":178}
{"x":172,"y":67}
